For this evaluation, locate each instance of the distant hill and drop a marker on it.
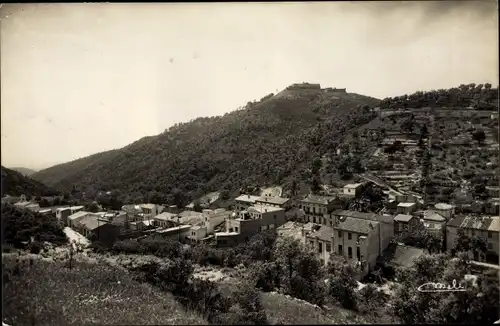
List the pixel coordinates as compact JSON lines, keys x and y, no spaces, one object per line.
{"x":271,"y":141}
{"x":16,"y":184}
{"x":24,"y":171}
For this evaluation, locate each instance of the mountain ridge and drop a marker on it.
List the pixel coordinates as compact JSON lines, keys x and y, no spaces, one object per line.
{"x":212,"y":153}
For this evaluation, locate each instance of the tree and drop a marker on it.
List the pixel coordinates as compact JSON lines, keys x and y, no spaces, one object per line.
{"x":479,"y":136}
{"x":477,"y":304}
{"x":248,"y":303}
{"x":197,"y":206}
{"x":92,"y":207}
{"x":342,"y":283}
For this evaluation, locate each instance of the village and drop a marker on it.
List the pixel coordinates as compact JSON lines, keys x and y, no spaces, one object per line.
{"x":337,"y":225}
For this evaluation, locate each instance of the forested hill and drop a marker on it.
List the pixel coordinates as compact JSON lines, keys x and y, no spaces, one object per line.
{"x":16,"y":184}
{"x":481,"y":96}
{"x":267,"y":142}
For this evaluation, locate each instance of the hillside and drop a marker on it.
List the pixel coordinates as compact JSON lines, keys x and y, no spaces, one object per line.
{"x":24,"y":171}
{"x":16,"y":184}
{"x":271,"y":141}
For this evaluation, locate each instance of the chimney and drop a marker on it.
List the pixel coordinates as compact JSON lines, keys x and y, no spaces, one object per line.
{"x":248,"y":196}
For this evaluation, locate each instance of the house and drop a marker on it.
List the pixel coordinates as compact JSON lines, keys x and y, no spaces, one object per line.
{"x":165,"y":220}
{"x":320,"y":239}
{"x":398,"y":255}
{"x":245,"y":201}
{"x":485,"y":227}
{"x":386,"y":222}
{"x":406,"y":198}
{"x":149,"y":210}
{"x":249,"y":222}
{"x":92,"y":227}
{"x":179,"y":233}
{"x":404,"y":224}
{"x":316,"y":208}
{"x":73,"y":219}
{"x":446,"y":210}
{"x":274,"y":201}
{"x":206,"y":201}
{"x":406,"y":208}
{"x":214,"y":218}
{"x":358,"y":241}
{"x":62,"y":214}
{"x":433,"y":221}
{"x":197,"y":233}
{"x":141,"y":225}
{"x":353,"y":190}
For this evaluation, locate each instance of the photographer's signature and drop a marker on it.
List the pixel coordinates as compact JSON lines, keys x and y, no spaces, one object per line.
{"x":441,"y":287}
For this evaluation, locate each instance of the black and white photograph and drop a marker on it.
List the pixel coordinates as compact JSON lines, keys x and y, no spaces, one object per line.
{"x":250,"y":163}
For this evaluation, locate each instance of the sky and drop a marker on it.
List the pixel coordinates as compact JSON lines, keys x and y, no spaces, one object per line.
{"x":77,"y":79}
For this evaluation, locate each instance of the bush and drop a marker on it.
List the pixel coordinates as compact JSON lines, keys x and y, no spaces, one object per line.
{"x":36,"y":247}
{"x":21,"y":226}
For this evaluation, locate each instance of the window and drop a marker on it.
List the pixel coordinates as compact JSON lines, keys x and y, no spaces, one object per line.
{"x":320,"y":247}
{"x":349,"y":252}
{"x":349,"y":236}
{"x":311,"y":243}
{"x":341,"y":252}
{"x":236,"y":229}
{"x":473,"y":232}
{"x":490,"y":246}
{"x":322,"y":261}
{"x":340,"y":234}
{"x":193,"y":233}
{"x":314,"y":219}
{"x":358,"y":253}
{"x":328,"y":247}
{"x":490,"y":234}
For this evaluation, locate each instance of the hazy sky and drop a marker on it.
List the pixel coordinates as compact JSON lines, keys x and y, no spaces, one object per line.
{"x":77,"y":79}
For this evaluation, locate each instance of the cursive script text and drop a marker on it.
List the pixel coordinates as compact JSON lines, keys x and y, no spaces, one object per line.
{"x":440,"y":287}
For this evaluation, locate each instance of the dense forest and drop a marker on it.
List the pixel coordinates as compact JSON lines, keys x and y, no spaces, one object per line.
{"x":481,"y":96}
{"x":16,"y":184}
{"x":276,"y":140}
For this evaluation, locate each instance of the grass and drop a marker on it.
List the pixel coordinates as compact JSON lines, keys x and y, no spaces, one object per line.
{"x":48,"y":293}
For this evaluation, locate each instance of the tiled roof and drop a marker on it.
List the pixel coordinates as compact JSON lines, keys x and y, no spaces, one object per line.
{"x":190,"y":213}
{"x":365,"y":216}
{"x":148,"y":206}
{"x":92,"y":222}
{"x":403,"y":218}
{"x":247,"y":198}
{"x":313,"y":199}
{"x":356,"y":225}
{"x":476,"y":222}
{"x":165,"y":216}
{"x":323,"y":233}
{"x":406,"y":204}
{"x":433,"y":216}
{"x":443,"y":206}
{"x":353,"y":185}
{"x":78,"y":215}
{"x":264,"y":208}
{"x":273,"y":200}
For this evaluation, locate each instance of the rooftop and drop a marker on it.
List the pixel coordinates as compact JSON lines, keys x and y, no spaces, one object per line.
{"x":79,"y":215}
{"x":247,"y":198}
{"x":190,"y":213}
{"x":476,"y":222}
{"x":403,"y":218}
{"x":76,"y":207}
{"x":443,"y":206}
{"x":92,"y":222}
{"x":147,"y":206}
{"x":353,"y":185}
{"x":273,"y":200}
{"x":365,"y":216}
{"x":264,"y":209}
{"x":322,"y":232}
{"x":433,"y":216}
{"x":165,"y":216}
{"x":313,"y":199}
{"x":174,"y":229}
{"x":406,"y":204}
{"x":356,"y":225}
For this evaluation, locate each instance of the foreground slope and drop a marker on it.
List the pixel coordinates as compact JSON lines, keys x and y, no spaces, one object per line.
{"x":49,"y":293}
{"x":16,"y":184}
{"x":268,"y":142}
